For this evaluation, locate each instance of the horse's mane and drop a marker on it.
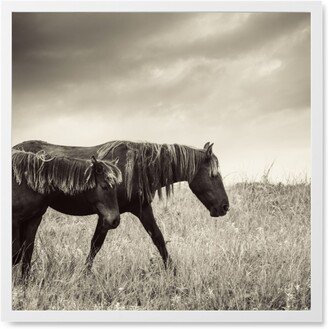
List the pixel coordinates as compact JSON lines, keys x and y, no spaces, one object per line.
{"x":157,"y":165}
{"x":45,"y":174}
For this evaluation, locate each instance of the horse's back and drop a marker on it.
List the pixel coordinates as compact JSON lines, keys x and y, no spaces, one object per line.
{"x":58,"y":150}
{"x":119,"y":151}
{"x":30,"y":146}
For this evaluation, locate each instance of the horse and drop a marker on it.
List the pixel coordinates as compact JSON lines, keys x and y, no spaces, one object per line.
{"x":146,"y":168}
{"x":70,"y":185}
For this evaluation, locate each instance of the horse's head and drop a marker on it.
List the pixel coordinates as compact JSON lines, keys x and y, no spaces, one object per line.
{"x":104,"y":195}
{"x":207,"y":184}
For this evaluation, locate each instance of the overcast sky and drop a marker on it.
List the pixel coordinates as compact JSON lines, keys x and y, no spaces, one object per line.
{"x":239,"y":80}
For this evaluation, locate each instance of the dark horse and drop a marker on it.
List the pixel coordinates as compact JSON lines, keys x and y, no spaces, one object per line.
{"x":146,"y":168}
{"x":72,"y":186}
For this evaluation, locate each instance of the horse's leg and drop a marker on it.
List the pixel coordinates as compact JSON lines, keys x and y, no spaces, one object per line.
{"x":28,"y":231}
{"x":148,"y":221}
{"x":96,"y":243}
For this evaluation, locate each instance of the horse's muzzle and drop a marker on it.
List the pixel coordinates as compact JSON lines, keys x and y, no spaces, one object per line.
{"x":112,"y":224}
{"x":219,"y":211}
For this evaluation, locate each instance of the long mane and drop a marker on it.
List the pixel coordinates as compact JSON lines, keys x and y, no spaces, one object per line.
{"x":151,"y":166}
{"x":45,"y":174}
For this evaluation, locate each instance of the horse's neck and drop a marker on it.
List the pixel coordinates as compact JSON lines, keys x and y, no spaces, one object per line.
{"x":180,"y":174}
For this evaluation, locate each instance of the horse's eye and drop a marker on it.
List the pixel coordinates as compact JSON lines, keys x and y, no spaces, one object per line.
{"x":107,"y":187}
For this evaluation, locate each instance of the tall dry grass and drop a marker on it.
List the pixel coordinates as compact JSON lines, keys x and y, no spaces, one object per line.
{"x":255,"y":258}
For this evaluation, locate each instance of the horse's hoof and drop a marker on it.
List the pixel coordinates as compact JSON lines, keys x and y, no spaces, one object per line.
{"x":87,"y":271}
{"x":171,"y":268}
{"x":24,"y":280}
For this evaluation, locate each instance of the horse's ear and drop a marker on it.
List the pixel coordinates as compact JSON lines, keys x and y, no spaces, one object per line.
{"x":209,"y":151}
{"x":206,"y":145}
{"x":94,"y":160}
{"x":97,"y":165}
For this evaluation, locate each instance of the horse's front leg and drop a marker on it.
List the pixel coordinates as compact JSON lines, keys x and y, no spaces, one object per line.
{"x":148,"y":221}
{"x":96,"y":243}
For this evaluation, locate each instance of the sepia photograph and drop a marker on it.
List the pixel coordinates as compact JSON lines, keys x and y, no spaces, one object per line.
{"x":161,"y":161}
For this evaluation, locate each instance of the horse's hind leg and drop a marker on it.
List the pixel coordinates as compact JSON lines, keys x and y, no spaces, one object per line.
{"x":28,"y":235}
{"x":17,"y":247}
{"x":96,"y":243}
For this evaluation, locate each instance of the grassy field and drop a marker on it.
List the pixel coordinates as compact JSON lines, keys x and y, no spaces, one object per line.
{"x":255,"y":258}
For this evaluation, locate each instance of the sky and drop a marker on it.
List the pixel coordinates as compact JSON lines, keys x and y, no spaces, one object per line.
{"x":239,"y":80}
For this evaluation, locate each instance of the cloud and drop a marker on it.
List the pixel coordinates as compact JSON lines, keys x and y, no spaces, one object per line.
{"x":241,"y":80}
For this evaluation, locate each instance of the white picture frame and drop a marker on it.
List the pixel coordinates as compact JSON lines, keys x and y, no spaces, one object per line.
{"x":312,"y":315}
